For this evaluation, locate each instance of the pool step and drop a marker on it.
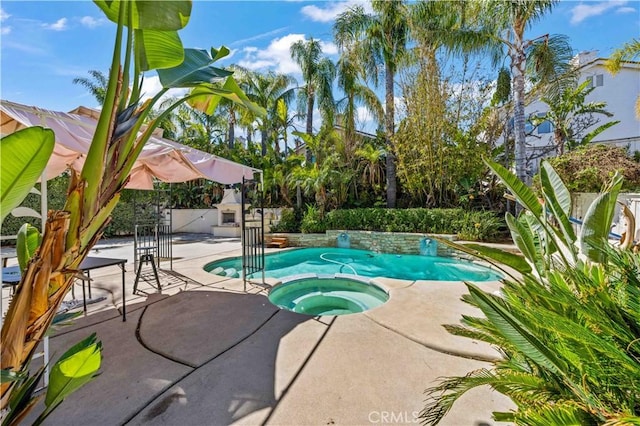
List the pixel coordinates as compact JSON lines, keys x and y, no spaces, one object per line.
{"x":229,"y":272}
{"x":278,"y":242}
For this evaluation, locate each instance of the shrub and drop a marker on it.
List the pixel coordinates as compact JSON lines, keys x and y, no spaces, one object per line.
{"x":123,"y":217}
{"x":566,"y":324}
{"x":468,"y":225}
{"x":588,"y":168}
{"x":312,"y":222}
{"x":289,"y":221}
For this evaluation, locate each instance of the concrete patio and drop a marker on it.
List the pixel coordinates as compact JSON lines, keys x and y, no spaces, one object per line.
{"x":204,"y":352}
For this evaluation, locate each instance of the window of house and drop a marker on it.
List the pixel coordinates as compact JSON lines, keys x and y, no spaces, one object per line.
{"x":599,"y":80}
{"x":590,"y":80}
{"x":544,"y":127}
{"x":528,"y":127}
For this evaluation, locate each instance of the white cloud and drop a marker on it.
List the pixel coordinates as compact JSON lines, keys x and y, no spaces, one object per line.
{"x":151,"y":86}
{"x":363,"y":115}
{"x":332,"y":10}
{"x":583,"y":11}
{"x":329,"y":48}
{"x":625,"y":9}
{"x":22,"y":47}
{"x":277,"y":55}
{"x":59,"y":25}
{"x":91,"y":22}
{"x":4,"y":30}
{"x":259,"y":36}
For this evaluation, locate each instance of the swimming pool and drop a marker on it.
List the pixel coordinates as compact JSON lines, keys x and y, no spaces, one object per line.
{"x":332,"y":260}
{"x":327,"y":296}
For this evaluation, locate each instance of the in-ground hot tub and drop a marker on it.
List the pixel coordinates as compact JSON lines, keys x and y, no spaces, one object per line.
{"x":332,"y":295}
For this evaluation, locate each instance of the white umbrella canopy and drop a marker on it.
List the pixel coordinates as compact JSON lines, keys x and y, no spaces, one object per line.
{"x":160,"y":158}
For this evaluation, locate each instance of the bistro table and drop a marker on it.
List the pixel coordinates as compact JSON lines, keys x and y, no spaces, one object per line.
{"x":11,"y":276}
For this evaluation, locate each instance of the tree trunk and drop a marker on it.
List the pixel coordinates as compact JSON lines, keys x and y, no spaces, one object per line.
{"x":263,"y":141}
{"x":310,"y":102}
{"x":389,"y":131}
{"x":232,"y":131}
{"x":518,"y":61}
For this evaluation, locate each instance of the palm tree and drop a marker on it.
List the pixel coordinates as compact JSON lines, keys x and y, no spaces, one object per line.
{"x":628,"y":52}
{"x":356,"y":93}
{"x":498,"y":28}
{"x":267,"y":90}
{"x":318,"y":73}
{"x":379,"y":39}
{"x":97,"y":85}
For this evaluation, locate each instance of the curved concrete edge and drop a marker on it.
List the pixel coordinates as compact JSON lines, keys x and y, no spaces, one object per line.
{"x":437,"y":299}
{"x":388,"y":284}
{"x":186,"y":339}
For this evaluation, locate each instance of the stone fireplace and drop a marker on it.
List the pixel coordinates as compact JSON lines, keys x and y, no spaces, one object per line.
{"x":228,"y":218}
{"x":229,"y":211}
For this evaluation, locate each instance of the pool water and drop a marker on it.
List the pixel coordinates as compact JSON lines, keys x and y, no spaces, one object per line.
{"x":321,"y":296}
{"x":332,"y":260}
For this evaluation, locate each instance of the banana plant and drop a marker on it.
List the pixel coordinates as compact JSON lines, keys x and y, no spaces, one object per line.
{"x":25,"y":154}
{"x":146,"y":38}
{"x":567,"y":321}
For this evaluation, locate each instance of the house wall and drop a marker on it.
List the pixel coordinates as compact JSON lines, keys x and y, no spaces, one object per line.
{"x":620,"y":93}
{"x":197,"y":221}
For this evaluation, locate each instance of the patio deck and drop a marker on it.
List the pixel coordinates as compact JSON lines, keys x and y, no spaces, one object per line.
{"x":205,"y":352}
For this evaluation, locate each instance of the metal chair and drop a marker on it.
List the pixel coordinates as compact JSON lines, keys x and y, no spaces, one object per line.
{"x":145,"y":246}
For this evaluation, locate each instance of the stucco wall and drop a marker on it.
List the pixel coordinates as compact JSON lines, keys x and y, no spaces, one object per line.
{"x":620,"y":92}
{"x":193,"y":220}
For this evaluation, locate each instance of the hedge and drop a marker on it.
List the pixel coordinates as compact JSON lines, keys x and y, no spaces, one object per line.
{"x":467,"y":225}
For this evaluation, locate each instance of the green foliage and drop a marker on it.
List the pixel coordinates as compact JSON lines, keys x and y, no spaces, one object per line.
{"x":571,"y":116}
{"x":588,"y":168}
{"x":28,"y":241}
{"x":25,"y":154}
{"x":76,"y":367}
{"x":123,"y":217}
{"x":568,"y":327}
{"x":289,"y":221}
{"x":440,"y":144}
{"x":312,"y":221}
{"x":468,"y":225}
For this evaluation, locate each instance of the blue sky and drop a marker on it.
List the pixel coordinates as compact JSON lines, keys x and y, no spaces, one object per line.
{"x":45,"y":44}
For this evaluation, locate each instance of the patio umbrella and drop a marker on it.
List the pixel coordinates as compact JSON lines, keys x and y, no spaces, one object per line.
{"x":160,"y":158}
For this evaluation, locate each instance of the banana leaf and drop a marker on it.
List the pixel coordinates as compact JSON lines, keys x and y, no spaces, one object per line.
{"x":24,"y":155}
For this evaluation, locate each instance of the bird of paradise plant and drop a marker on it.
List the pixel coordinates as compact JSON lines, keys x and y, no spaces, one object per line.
{"x":146,"y":39}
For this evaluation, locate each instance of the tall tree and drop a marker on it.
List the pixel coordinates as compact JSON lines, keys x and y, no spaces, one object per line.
{"x":318,"y":73}
{"x":380,"y":39}
{"x":356,"y":93}
{"x":97,"y":84}
{"x":267,"y":90}
{"x":498,"y":28}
